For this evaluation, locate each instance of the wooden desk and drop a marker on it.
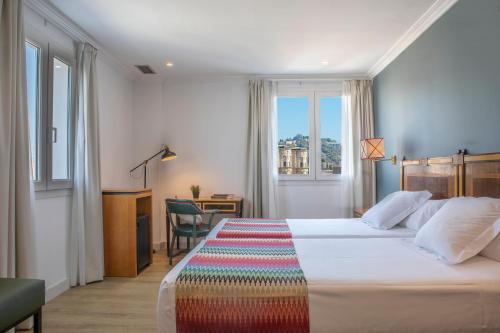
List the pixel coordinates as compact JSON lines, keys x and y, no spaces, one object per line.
{"x":120,"y":209}
{"x":224,"y":206}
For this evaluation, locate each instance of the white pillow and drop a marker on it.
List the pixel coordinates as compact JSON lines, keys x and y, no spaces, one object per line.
{"x":394,"y":208}
{"x":188,"y":219}
{"x":420,"y":217}
{"x":492,"y":251}
{"x":461,"y":228}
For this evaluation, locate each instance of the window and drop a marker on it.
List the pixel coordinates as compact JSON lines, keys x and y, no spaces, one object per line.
{"x":309,"y":135}
{"x":330,"y":129}
{"x":61,"y":110}
{"x":33,"y":57}
{"x":293,"y":135}
{"x":49,"y":77}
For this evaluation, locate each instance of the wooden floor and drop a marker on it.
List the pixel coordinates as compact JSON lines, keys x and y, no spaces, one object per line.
{"x":113,"y":305}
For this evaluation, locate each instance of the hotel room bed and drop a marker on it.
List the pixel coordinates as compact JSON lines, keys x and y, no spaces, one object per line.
{"x":332,"y":228}
{"x":381,"y":285}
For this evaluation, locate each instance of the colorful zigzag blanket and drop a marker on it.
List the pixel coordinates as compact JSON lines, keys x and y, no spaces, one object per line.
{"x":255,"y":228}
{"x":242,"y":285}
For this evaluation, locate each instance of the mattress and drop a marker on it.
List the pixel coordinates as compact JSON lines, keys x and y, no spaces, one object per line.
{"x":382,"y":285}
{"x":333,"y":228}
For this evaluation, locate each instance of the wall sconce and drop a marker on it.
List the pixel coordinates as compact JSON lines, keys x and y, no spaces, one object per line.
{"x":373,"y":149}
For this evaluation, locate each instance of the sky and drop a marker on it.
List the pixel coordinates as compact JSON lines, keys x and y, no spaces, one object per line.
{"x":293,"y":117}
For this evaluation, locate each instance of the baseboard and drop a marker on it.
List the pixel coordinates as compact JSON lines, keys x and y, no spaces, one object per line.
{"x":160,"y":246}
{"x":56,"y":290}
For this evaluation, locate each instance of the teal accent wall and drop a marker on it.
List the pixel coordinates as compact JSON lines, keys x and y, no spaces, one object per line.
{"x":443,"y":92}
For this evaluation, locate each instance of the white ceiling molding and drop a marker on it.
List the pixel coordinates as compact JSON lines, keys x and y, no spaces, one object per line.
{"x":312,"y":77}
{"x":418,"y":28}
{"x":59,"y":20}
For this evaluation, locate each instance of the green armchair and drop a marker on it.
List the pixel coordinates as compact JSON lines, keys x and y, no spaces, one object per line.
{"x":193,"y":229}
{"x":19,"y":300}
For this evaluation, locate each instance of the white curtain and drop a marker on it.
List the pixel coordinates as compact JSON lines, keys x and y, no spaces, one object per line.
{"x":262,"y":172}
{"x":358,"y":179}
{"x":17,"y":241}
{"x":86,"y":235}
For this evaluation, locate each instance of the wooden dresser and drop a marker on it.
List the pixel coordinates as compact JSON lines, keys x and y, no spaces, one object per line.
{"x":120,"y":209}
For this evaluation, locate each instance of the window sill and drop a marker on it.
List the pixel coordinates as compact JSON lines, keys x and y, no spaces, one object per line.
{"x":47,"y":194}
{"x":309,"y":182}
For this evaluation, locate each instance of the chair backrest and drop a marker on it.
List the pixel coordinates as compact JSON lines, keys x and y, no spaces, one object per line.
{"x":181,"y":206}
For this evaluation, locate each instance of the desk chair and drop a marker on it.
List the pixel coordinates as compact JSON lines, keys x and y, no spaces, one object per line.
{"x":189,"y":229}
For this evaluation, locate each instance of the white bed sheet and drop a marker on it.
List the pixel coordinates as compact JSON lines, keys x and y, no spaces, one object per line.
{"x":382,"y":285}
{"x":333,"y":228}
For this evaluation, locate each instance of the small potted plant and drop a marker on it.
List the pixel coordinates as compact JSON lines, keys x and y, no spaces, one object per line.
{"x":195,"y":189}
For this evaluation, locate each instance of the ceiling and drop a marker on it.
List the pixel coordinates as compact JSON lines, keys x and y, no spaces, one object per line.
{"x":205,"y":37}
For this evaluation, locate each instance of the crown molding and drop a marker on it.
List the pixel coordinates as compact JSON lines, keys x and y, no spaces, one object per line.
{"x":418,"y":28}
{"x":62,"y":22}
{"x":312,"y":77}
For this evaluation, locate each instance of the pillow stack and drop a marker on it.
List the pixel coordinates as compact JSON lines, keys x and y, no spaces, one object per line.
{"x":394,"y":208}
{"x":462,"y":228}
{"x":420,"y":217}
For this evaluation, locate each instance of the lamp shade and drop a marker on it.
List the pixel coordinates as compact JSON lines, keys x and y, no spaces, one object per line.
{"x":168,"y":155}
{"x":372,"y":149}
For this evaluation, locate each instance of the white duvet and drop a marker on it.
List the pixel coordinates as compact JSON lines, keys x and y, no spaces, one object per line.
{"x":382,"y":285}
{"x":333,"y":228}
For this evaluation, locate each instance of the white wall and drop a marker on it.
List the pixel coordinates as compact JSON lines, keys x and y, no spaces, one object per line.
{"x":314,"y":200}
{"x":115,"y":122}
{"x":52,"y":209}
{"x":204,"y":120}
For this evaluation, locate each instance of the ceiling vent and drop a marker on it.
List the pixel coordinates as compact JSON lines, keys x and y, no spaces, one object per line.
{"x":145,"y":69}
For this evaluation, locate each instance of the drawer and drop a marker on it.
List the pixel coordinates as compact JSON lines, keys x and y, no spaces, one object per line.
{"x":224,"y":207}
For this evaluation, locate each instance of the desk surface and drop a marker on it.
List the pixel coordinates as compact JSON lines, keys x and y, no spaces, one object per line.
{"x":126,"y":190}
{"x":209,"y":199}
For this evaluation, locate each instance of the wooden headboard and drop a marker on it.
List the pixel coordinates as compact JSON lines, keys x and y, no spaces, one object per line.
{"x":442,"y":176}
{"x":453,"y":176}
{"x":482,"y":175}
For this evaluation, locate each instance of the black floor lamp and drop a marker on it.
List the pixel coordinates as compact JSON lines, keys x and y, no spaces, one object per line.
{"x":167,"y":155}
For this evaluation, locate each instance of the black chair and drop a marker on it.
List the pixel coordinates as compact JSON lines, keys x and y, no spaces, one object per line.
{"x":19,"y":300}
{"x":194,"y":229}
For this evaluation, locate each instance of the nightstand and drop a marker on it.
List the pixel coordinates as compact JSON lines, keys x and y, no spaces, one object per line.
{"x":358,"y":212}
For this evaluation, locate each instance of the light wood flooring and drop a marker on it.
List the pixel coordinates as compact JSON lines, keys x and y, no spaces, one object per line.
{"x":113,"y":305}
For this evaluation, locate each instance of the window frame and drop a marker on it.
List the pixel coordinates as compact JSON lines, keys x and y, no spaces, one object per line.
{"x":317,"y":97}
{"x":48,"y":50}
{"x":41,"y":183}
{"x":54,"y":52}
{"x":314,"y":96}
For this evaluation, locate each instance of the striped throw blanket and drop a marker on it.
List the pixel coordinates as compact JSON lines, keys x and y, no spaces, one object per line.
{"x":255,"y":228}
{"x":236,"y":285}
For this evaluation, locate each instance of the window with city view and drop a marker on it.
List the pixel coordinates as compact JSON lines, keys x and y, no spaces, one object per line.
{"x":293,"y":135}
{"x":330,"y":120}
{"x":313,"y":151}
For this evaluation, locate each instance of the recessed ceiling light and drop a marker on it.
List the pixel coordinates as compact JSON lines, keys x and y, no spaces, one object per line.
{"x":324,"y":62}
{"x":169,"y":64}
